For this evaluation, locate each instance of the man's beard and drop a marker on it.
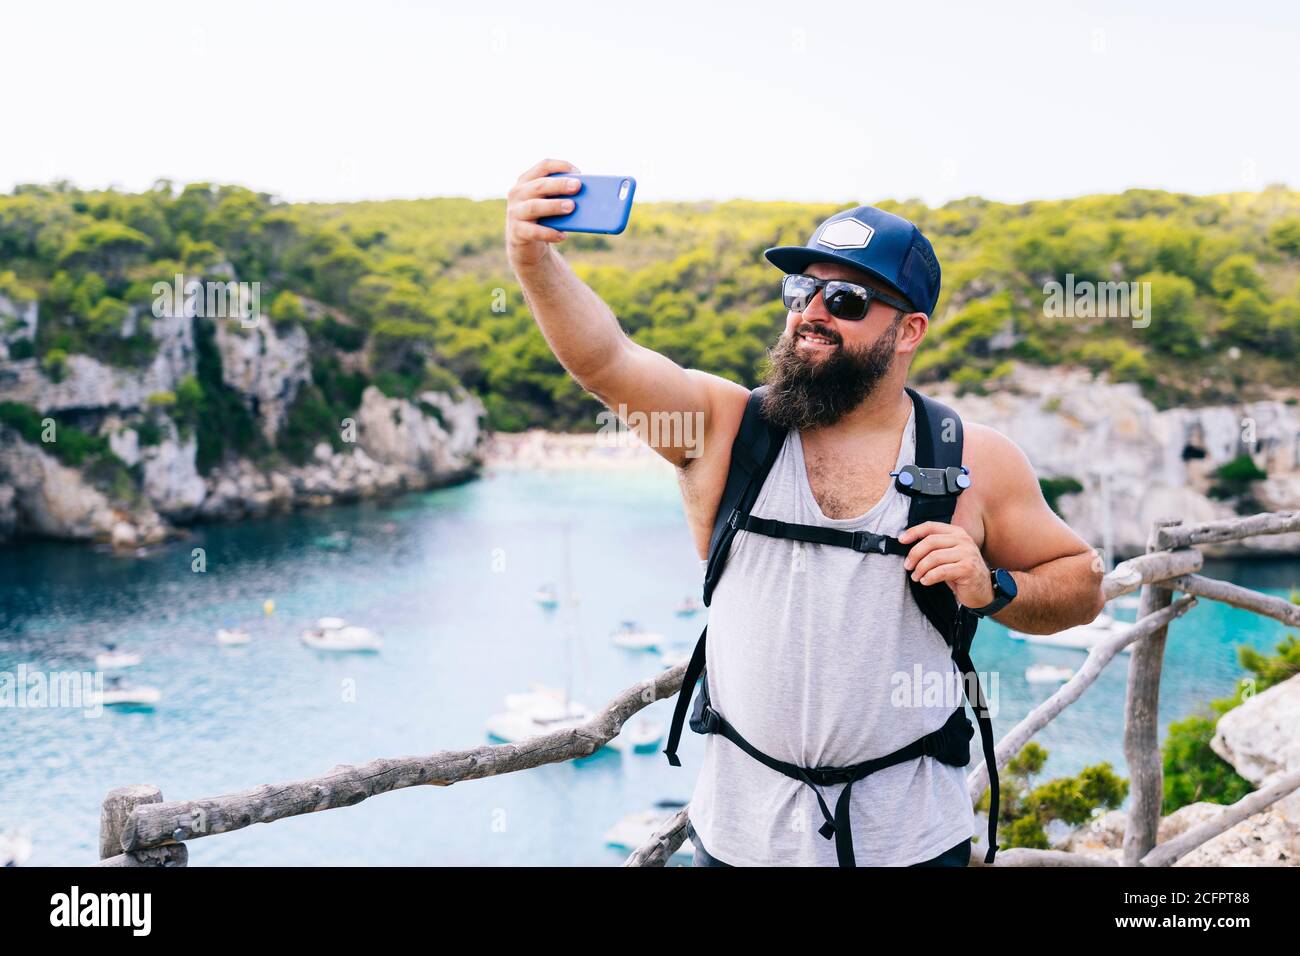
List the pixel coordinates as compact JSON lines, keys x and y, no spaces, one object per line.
{"x":808,"y":393}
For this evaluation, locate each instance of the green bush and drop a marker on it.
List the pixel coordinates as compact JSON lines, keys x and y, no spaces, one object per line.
{"x":1193,"y":772}
{"x":1026,"y":809}
{"x":1054,"y":488}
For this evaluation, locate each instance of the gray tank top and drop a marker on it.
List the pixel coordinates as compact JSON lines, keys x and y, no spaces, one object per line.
{"x":819,"y":656}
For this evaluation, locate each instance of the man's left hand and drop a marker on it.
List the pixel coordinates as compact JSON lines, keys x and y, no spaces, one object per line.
{"x":946,"y":552}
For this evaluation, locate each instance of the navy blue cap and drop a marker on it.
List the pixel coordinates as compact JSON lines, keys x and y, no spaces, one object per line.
{"x":883,"y":245}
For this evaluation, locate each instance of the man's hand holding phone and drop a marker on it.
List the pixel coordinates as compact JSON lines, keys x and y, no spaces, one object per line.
{"x":537,"y":194}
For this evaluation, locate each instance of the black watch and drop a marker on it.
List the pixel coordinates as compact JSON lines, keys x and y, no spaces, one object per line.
{"x":1004,"y":592}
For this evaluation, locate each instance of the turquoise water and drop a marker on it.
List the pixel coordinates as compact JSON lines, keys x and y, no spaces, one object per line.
{"x":447,"y":579}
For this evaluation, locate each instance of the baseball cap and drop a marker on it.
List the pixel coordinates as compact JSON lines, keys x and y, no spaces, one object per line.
{"x":883,"y":245}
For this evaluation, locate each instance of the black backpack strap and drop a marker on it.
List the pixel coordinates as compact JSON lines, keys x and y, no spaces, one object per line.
{"x":694,"y":671}
{"x":939,"y":444}
{"x":753,"y":452}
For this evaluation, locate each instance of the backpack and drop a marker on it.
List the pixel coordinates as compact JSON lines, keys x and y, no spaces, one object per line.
{"x":933,"y":484}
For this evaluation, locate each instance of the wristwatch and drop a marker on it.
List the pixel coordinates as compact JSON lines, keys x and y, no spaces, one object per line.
{"x":1004,"y":592}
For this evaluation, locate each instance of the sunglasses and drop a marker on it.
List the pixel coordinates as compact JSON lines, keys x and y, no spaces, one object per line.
{"x":844,"y":300}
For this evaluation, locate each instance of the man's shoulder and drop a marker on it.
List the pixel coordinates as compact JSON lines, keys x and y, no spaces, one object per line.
{"x":994,"y":459}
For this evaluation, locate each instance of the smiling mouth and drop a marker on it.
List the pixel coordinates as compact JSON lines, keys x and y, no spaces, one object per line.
{"x":816,"y":339}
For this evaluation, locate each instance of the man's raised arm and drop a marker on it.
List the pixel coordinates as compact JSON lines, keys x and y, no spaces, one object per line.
{"x":585,"y":336}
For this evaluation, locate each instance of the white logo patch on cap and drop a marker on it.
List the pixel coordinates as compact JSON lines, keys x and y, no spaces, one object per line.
{"x":846,"y":234}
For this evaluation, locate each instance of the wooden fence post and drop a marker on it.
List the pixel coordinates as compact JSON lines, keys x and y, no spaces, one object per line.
{"x":1141,"y":721}
{"x":117,"y":807}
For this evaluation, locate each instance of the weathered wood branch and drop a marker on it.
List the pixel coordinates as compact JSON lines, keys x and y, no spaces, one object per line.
{"x":663,"y":843}
{"x":1237,"y":596}
{"x":1169,"y":852}
{"x":1229,"y":529}
{"x":1022,"y":856}
{"x":347,"y":785}
{"x":1098,"y":657}
{"x":115,"y":811}
{"x":1130,"y":575}
{"x":1141,"y":720}
{"x":173,"y":854}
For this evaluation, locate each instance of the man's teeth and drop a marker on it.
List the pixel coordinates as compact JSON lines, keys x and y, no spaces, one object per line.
{"x":813,"y":337}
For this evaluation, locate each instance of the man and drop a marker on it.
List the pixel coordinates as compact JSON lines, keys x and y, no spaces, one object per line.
{"x":809,"y":643}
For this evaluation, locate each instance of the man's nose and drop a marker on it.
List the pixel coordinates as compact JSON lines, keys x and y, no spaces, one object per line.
{"x":815,"y":310}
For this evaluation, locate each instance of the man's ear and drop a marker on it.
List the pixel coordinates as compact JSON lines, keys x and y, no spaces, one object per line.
{"x":914,"y":325}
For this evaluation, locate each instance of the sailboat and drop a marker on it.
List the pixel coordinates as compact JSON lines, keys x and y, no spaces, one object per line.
{"x":542,"y":708}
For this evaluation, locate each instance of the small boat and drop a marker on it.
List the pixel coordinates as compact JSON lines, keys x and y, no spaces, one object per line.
{"x":1082,"y":637}
{"x":335,"y":541}
{"x":335,"y":634}
{"x":689,"y":607}
{"x":636,"y":828}
{"x":671,"y":657}
{"x":511,"y":726}
{"x":546,"y":703}
{"x":546,"y":597}
{"x":117,"y":693}
{"x":233,"y":637}
{"x":642,"y":736}
{"x":111,"y":659}
{"x":15,"y":848}
{"x":1047,"y":674}
{"x":630,"y":636}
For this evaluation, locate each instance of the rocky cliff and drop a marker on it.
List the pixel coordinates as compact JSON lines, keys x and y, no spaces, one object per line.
{"x":141,"y":476}
{"x":1136,"y":463}
{"x":1258,"y":738}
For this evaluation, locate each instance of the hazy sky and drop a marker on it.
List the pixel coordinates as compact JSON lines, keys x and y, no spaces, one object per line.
{"x":794,"y":100}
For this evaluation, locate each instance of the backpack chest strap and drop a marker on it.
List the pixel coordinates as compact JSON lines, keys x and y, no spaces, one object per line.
{"x":866,"y":542}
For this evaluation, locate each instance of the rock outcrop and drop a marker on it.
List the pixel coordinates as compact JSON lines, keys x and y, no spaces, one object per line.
{"x":1136,"y":463}
{"x":394,"y":444}
{"x":266,"y":367}
{"x":1260,"y":738}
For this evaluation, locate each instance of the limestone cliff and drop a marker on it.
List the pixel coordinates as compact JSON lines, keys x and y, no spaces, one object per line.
{"x":139,"y":474}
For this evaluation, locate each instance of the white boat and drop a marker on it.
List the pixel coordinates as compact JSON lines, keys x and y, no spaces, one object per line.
{"x":670,"y":658}
{"x":511,"y":726}
{"x":111,"y":659}
{"x":546,"y":597}
{"x":233,"y":637}
{"x":642,"y":736}
{"x":1081,"y":637}
{"x":546,"y":703}
{"x":1126,"y":601}
{"x":689,"y":607}
{"x":636,"y":828}
{"x":118,"y":694}
{"x":15,"y":848}
{"x":335,"y":634}
{"x":630,"y":636}
{"x":1047,"y":674}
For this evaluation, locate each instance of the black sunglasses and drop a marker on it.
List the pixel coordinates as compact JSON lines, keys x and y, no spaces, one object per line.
{"x":844,"y":300}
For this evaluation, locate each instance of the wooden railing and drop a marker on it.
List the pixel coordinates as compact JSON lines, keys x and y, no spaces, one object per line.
{"x":137,"y":828}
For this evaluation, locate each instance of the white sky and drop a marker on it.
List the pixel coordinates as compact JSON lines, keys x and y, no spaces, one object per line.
{"x":841,"y":102}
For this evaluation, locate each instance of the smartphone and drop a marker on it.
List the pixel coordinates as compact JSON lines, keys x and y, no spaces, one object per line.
{"x":602,"y":205}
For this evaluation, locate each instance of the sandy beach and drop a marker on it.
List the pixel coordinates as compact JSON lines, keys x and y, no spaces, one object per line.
{"x":540,"y":449}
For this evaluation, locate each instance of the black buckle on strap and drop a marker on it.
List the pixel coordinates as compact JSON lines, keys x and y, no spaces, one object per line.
{"x":709,"y":720}
{"x":829,"y":776}
{"x":869,"y":542}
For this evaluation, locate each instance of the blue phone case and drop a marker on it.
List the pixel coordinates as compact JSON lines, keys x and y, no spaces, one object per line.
{"x":597,"y":205}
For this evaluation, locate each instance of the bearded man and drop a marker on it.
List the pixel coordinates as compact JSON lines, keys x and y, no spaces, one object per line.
{"x":829,"y":598}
